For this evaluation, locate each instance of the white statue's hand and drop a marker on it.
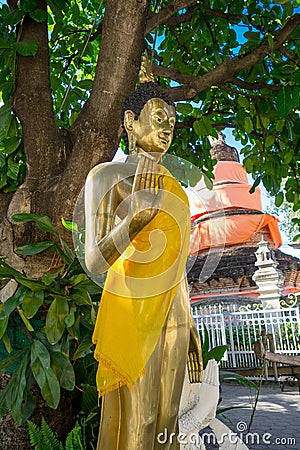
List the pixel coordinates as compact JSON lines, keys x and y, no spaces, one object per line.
{"x":193,"y":417}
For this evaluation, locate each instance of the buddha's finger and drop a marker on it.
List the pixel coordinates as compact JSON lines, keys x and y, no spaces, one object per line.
{"x":152,"y":177}
{"x":160,"y":183}
{"x":140,"y":174}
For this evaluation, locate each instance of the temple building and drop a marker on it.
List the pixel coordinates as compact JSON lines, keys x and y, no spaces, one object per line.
{"x":228,"y":225}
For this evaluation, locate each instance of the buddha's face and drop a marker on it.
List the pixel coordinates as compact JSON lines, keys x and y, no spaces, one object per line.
{"x":153,"y":130}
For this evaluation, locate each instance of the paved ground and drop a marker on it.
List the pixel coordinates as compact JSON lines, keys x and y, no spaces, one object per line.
{"x":276,"y":423}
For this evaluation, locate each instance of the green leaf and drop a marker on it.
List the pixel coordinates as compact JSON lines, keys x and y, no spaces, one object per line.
{"x":11,"y":144}
{"x":18,"y":385}
{"x":39,"y":15}
{"x":184,"y":108}
{"x":269,"y":140}
{"x":71,"y":226}
{"x":63,"y":370}
{"x":208,"y":182}
{"x":32,"y":302}
{"x":296,"y":128}
{"x":265,"y":120}
{"x":243,"y":102}
{"x":81,"y":297}
{"x":248,"y":125}
{"x":25,"y":320}
{"x":3,"y":325}
{"x":7,"y":362}
{"x":217,"y":353}
{"x":61,"y":4}
{"x":255,"y":184}
{"x":27,"y":5}
{"x":70,"y":319}
{"x":205,"y":341}
{"x":13,"y":169}
{"x":284,"y":101}
{"x":279,"y":199}
{"x":203,"y":127}
{"x":43,"y":222}
{"x":5,"y":114}
{"x":85,"y":84}
{"x":49,"y":276}
{"x":271,"y":41}
{"x":288,"y":156}
{"x":34,"y":285}
{"x":224,"y":374}
{"x":89,"y":398}
{"x":35,"y":248}
{"x":7,"y":343}
{"x":14,"y":17}
{"x":67,"y":255}
{"x":4,"y":43}
{"x":55,"y":321}
{"x":11,"y":303}
{"x":26,"y":47}
{"x":44,"y":375}
{"x":84,"y":345}
{"x":252,"y":36}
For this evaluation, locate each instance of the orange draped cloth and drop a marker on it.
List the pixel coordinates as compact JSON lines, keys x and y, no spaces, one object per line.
{"x":229,"y":230}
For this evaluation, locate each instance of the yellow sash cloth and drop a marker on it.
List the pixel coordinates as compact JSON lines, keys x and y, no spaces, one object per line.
{"x":139,"y":290}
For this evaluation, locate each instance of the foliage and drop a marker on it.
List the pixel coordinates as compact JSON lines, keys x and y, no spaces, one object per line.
{"x":289,"y":220}
{"x":208,"y":353}
{"x":56,"y":315}
{"x":230,"y":64}
{"x":43,"y":438}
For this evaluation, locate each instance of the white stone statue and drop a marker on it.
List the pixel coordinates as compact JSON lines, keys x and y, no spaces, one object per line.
{"x":198,"y":410}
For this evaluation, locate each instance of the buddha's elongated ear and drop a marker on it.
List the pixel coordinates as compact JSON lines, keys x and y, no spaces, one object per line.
{"x":128,"y":120}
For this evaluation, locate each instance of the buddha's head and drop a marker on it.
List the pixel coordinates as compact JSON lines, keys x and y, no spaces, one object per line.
{"x":148,"y":117}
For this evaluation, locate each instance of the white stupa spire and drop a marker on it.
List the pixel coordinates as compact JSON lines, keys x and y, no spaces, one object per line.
{"x":267,"y":277}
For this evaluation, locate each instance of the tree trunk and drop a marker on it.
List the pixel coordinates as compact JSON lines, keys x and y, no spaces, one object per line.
{"x":58,"y":161}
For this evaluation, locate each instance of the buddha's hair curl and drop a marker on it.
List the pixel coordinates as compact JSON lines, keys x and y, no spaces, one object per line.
{"x":138,"y":99}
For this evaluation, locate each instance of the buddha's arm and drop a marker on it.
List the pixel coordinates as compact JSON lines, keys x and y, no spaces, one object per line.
{"x":105,"y":242}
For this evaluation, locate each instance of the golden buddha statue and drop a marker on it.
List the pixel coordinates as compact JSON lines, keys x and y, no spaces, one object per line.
{"x":138,"y":229}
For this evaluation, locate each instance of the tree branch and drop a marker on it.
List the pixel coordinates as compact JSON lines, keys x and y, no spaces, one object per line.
{"x":254,"y":86}
{"x":166,"y":13}
{"x":189,"y":124}
{"x":180,"y":93}
{"x":225,"y":71}
{"x":236,"y":91}
{"x":223,"y":15}
{"x":185,"y":17}
{"x":184,"y":46}
{"x":289,"y":55}
{"x":181,"y":18}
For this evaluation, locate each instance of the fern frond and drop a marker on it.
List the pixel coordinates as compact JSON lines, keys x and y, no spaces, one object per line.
{"x":35,"y":434}
{"x":50,"y":439}
{"x":75,"y":439}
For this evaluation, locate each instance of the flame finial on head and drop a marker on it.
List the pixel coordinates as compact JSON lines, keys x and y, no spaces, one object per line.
{"x":146,"y":74}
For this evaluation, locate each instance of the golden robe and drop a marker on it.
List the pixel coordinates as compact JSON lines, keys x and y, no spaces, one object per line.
{"x":142,"y":331}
